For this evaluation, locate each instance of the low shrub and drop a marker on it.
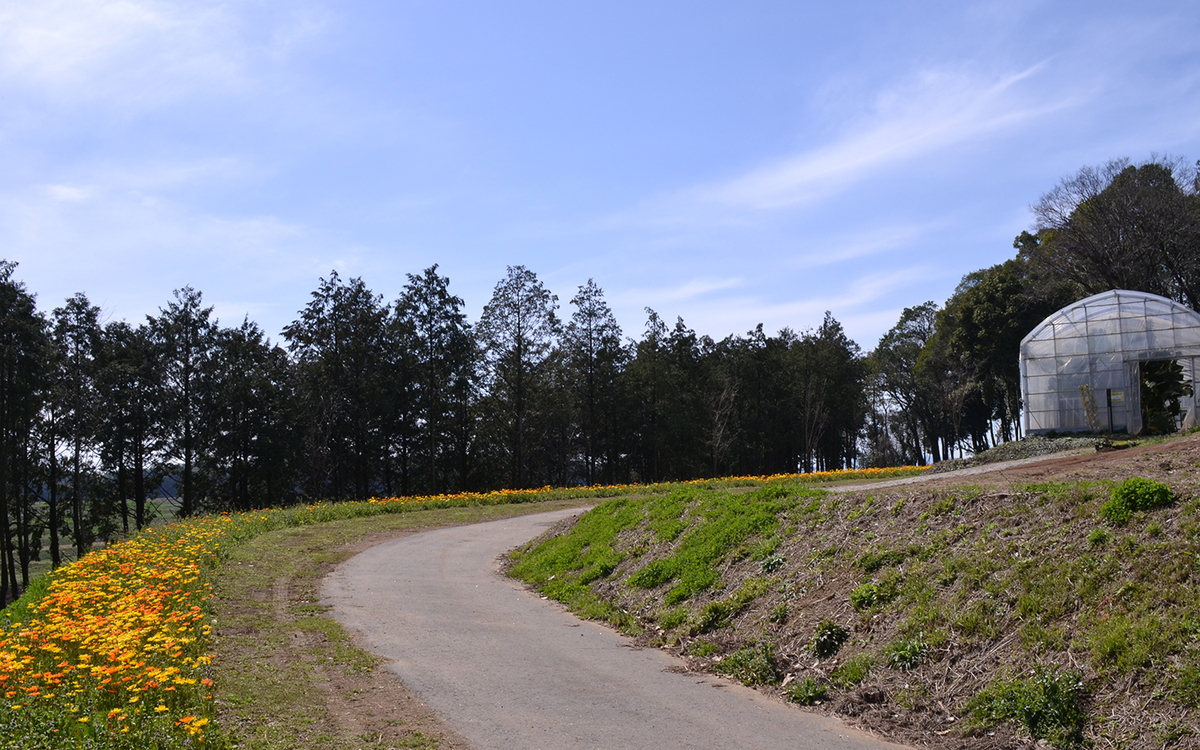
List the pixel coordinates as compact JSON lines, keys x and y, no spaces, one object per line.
{"x":1135,"y":494}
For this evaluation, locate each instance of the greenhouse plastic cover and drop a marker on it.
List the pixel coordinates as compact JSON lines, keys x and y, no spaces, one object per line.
{"x":1101,"y":342}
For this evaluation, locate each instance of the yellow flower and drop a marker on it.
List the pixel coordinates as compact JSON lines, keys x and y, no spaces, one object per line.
{"x":160,"y":708}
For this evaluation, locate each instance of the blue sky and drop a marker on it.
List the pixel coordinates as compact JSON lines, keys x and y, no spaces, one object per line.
{"x":730,"y":163}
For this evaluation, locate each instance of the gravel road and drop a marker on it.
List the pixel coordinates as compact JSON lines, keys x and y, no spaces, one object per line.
{"x":512,"y":671}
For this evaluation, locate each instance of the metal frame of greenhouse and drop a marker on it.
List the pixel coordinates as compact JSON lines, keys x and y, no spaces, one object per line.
{"x":1093,"y":350}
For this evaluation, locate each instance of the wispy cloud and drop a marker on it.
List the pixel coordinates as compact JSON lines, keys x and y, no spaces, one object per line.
{"x":864,"y":244}
{"x":131,"y":53}
{"x":939,"y":110}
{"x":692,"y":289}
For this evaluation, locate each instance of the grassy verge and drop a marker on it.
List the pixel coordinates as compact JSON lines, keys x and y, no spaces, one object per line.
{"x":978,"y":614}
{"x":289,"y":675}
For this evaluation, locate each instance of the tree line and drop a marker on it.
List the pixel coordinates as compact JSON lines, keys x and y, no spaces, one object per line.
{"x":366,"y":397}
{"x":363,"y":397}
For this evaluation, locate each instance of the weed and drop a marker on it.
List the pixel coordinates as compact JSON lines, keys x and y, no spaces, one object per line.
{"x":978,"y":620}
{"x":779,"y":613}
{"x":1168,"y":733}
{"x":1185,"y":687}
{"x":718,"y":614}
{"x":907,"y":654}
{"x":1135,"y":494}
{"x":806,"y":692}
{"x":772,"y":563}
{"x":673,"y":618}
{"x":1098,"y":537}
{"x":703,"y":649}
{"x":865,"y":595}
{"x":852,"y":672}
{"x":752,"y":666}
{"x":1050,"y":705}
{"x":873,"y":561}
{"x":828,"y":639}
{"x":875,"y":593}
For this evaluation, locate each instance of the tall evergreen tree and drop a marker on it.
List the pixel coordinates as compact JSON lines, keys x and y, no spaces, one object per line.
{"x":594,"y":359}
{"x":184,"y":334}
{"x":444,"y":372}
{"x":24,"y":350}
{"x":338,"y":343}
{"x":517,"y":334}
{"x":77,"y":336}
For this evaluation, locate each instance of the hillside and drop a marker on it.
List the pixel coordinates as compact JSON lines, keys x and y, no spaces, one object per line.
{"x":984,"y":611}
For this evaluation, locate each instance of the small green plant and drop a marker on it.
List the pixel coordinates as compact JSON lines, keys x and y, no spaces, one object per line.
{"x":1185,"y":688}
{"x":1098,"y":537}
{"x":773,"y":562}
{"x":828,"y":639}
{"x":908,"y":653}
{"x":779,"y":613}
{"x":752,"y":666}
{"x":852,"y":672}
{"x":673,"y":618}
{"x":873,"y":561}
{"x":1135,"y":494}
{"x":703,"y":649}
{"x":876,"y":593}
{"x":865,"y":596}
{"x":1050,"y":705}
{"x":806,"y":692}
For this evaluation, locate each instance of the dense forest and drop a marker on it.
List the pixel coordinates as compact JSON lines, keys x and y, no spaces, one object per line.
{"x":366,"y":396}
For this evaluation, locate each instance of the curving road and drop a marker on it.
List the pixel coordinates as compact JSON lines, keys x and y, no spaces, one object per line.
{"x":511,"y":671}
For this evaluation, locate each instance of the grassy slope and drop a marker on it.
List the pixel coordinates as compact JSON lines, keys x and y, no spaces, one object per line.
{"x":960,"y":616}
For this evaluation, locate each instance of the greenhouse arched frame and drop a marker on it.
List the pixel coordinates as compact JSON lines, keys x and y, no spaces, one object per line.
{"x":1081,"y":367}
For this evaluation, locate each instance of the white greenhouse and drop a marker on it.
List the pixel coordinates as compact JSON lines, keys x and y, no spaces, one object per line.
{"x":1081,"y":367}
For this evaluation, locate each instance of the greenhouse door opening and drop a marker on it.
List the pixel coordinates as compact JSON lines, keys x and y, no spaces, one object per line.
{"x":1167,"y":395}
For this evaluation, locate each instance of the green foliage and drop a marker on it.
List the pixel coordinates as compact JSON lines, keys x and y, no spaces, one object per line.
{"x":806,"y":692}
{"x":723,"y":522}
{"x":752,"y":666}
{"x":1185,"y":685}
{"x":1050,"y":705}
{"x":875,"y":593}
{"x":717,"y":614}
{"x":908,"y":653}
{"x":586,"y":554}
{"x":828,"y":638}
{"x":1126,"y":643}
{"x":1135,"y":494}
{"x":853,"y":671}
{"x":873,"y":561}
{"x":779,"y":613}
{"x":865,"y":595}
{"x":773,"y":562}
{"x":703,"y":648}
{"x":1098,"y":537}
{"x":673,"y":618}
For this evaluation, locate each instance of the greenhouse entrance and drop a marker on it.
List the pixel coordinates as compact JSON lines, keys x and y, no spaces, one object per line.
{"x":1120,"y":361}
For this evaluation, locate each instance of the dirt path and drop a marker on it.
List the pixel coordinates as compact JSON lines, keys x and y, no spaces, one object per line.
{"x":511,"y":671}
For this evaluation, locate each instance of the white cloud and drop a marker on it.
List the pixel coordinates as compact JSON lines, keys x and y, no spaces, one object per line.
{"x":938,"y":110}
{"x":70,"y":193}
{"x":136,"y":53}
